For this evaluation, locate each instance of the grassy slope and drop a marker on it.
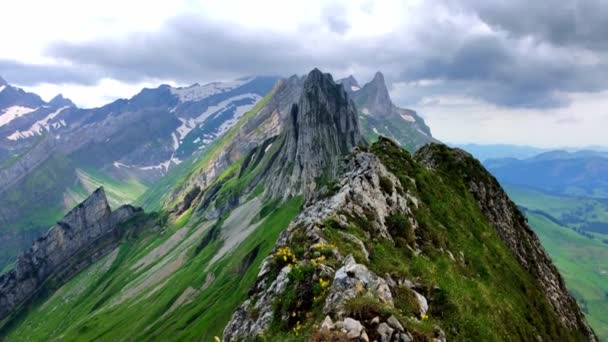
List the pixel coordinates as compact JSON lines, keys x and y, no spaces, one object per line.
{"x":89,"y":313}
{"x":82,"y":310}
{"x":491,"y":288}
{"x":560,"y":206}
{"x":582,"y":261}
{"x":119,"y":191}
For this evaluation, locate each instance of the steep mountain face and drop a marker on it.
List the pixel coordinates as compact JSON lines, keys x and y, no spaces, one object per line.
{"x":264,"y":121}
{"x":85,"y":234}
{"x":581,"y":174}
{"x":55,"y":154}
{"x":379,"y":116}
{"x":322,"y":127}
{"x":383,"y":247}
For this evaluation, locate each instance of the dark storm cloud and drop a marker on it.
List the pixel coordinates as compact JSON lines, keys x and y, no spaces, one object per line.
{"x":27,"y":75}
{"x":503,"y":66}
{"x":496,"y":70}
{"x":565,"y":22}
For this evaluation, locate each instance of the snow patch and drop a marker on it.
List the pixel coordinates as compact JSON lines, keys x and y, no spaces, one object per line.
{"x":189,"y":124}
{"x":13,"y":112}
{"x":354,"y":88}
{"x":407,"y":118}
{"x":267,"y":148}
{"x":2,"y":87}
{"x":375,"y":130}
{"x":175,"y":141}
{"x":365,"y":111}
{"x":224,"y":104}
{"x":197,"y":92}
{"x":118,"y":165}
{"x":164,"y":166}
{"x":40,"y":126}
{"x":238,"y":113}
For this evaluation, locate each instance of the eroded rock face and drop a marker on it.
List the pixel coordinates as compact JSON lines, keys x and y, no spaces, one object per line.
{"x":90,"y":223}
{"x":353,"y":280}
{"x":321,"y":128}
{"x":513,"y":229}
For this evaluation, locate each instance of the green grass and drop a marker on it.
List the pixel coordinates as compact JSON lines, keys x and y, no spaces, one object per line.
{"x":584,"y":264}
{"x":118,"y":191}
{"x":582,"y":261}
{"x":82,"y":308}
{"x":561,"y":207}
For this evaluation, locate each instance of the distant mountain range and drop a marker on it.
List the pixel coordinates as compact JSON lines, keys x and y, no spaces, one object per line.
{"x":52,"y":155}
{"x":484,"y":152}
{"x":581,"y":173}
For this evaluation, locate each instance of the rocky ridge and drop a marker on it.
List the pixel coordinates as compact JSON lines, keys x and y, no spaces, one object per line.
{"x":359,"y":194}
{"x":323,"y":266}
{"x":91,"y":229}
{"x":511,"y":225}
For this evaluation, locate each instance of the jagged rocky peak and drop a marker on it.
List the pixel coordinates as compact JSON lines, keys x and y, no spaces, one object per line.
{"x":85,"y":234}
{"x":321,"y":128}
{"x":374,"y":97}
{"x":59,"y":100}
{"x":350,"y":84}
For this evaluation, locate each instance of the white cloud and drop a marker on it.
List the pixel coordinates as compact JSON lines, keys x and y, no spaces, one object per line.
{"x":461,"y":120}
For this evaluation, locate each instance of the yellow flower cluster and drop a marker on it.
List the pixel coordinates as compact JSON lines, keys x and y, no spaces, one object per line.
{"x":425,"y":317}
{"x":320,"y":246}
{"x":284,"y":256}
{"x":318,"y":260}
{"x":297,"y":329}
{"x":324,"y":283}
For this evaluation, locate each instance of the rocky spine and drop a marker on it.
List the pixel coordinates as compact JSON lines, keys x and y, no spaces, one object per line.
{"x":90,"y":228}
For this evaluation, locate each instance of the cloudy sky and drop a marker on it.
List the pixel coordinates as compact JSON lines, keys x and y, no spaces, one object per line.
{"x":486,"y":71}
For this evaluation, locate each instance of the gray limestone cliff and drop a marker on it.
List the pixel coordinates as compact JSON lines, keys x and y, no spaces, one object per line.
{"x":88,"y":229}
{"x":321,"y":128}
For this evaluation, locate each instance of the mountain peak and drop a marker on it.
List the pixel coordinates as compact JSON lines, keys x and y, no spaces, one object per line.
{"x":315,"y":76}
{"x":322,"y":127}
{"x":374,"y":97}
{"x":59,"y":100}
{"x":350,"y":84}
{"x":378,"y":77}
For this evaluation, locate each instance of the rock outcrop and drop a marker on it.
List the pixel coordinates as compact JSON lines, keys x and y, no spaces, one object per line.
{"x":91,"y":228}
{"x":321,"y":128}
{"x":360,"y":193}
